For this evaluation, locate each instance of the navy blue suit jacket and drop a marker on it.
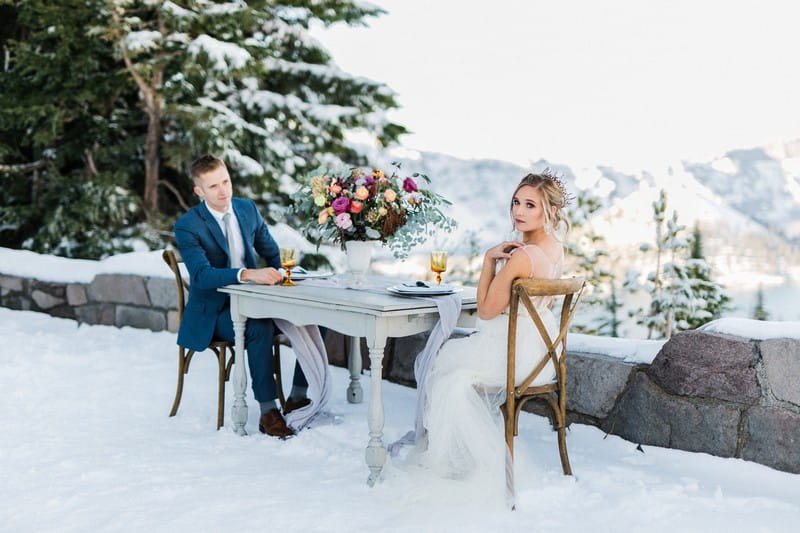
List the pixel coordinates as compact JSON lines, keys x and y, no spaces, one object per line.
{"x":205,"y":253}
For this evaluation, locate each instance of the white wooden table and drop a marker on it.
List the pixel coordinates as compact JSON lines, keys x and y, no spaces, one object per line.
{"x":357,"y":313}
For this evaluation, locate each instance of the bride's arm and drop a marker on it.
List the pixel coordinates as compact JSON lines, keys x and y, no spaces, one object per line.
{"x":494,"y":291}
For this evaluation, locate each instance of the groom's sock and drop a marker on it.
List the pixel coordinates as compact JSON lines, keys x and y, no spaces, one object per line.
{"x":266,"y":407}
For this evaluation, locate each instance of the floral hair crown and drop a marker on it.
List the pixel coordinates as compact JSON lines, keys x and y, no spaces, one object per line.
{"x":566,"y":197}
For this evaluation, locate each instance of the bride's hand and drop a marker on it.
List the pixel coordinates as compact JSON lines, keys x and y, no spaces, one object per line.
{"x":502,"y":250}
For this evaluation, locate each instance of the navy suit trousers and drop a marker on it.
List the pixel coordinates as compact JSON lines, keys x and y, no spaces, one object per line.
{"x":258,"y":337}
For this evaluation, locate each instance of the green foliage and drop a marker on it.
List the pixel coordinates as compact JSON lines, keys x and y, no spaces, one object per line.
{"x":585,"y":247}
{"x":682,"y":293}
{"x":241,"y":80}
{"x":759,"y":311}
{"x":714,"y":299}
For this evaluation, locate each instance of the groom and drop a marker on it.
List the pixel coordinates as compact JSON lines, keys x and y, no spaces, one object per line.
{"x":217,"y":240}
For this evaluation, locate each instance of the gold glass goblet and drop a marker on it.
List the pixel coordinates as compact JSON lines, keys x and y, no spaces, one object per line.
{"x":288,"y":260}
{"x":438,"y":264}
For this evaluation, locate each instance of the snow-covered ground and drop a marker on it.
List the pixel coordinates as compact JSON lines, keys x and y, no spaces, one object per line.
{"x":86,"y":445}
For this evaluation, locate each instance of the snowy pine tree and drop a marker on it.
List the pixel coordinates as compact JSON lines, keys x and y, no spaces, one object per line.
{"x":759,"y":311}
{"x":245,"y":81}
{"x":585,"y":247}
{"x":108,"y":101}
{"x":672,"y":297}
{"x":711,"y":297}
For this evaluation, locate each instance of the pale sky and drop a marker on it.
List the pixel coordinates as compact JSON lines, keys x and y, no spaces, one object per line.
{"x":630,"y":83}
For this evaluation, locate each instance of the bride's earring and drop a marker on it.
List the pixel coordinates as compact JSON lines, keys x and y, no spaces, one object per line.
{"x":548,"y":228}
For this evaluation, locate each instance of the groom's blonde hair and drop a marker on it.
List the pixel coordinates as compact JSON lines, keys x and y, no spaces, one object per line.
{"x":205,"y":164}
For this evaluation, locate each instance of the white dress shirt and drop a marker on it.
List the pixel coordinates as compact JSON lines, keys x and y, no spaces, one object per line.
{"x":238,"y":261}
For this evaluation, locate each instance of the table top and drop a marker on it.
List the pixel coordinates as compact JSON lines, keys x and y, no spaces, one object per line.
{"x":372,"y":298}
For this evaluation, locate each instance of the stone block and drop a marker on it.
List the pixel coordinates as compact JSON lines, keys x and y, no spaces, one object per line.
{"x":96,"y":314}
{"x":44,"y":300}
{"x":163,"y":293}
{"x":118,"y":288}
{"x":772,"y":437}
{"x":647,"y":415}
{"x":708,"y":365}
{"x":139,"y":317}
{"x":172,"y":321}
{"x":11,"y":283}
{"x":594,"y":382}
{"x":58,"y":290}
{"x":76,"y":294}
{"x":781,"y":359}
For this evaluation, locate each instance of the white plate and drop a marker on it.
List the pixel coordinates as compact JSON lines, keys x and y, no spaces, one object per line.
{"x":430,"y":290}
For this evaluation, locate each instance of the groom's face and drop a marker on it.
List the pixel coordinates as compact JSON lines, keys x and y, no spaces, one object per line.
{"x":215,"y":188}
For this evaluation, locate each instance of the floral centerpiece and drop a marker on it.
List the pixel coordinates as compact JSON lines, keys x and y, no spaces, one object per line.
{"x":360,"y":205}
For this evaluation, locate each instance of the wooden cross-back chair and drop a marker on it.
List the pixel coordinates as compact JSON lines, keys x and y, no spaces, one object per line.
{"x":554,"y":393}
{"x":220,"y":348}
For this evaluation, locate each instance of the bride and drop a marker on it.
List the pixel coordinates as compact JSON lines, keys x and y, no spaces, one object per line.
{"x":465,"y":437}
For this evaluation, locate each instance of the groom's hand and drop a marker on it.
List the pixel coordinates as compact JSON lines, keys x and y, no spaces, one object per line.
{"x":262,"y":276}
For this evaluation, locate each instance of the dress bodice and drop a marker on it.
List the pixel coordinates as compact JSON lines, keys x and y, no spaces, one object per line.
{"x":542,"y":267}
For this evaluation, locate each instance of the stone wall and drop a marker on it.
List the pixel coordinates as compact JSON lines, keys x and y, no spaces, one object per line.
{"x":109,"y":299}
{"x":704,"y":392}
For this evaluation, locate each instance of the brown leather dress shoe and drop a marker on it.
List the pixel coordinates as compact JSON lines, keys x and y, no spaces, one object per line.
{"x":273,"y":424}
{"x":292,"y":405}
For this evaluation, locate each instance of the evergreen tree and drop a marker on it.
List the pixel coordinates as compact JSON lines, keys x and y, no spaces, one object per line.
{"x":65,"y":129}
{"x":759,"y":311}
{"x":586,"y":248}
{"x":672,"y":297}
{"x":711,"y":296}
{"x":108,"y":102}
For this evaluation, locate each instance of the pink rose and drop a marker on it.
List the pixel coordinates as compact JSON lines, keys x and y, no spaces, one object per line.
{"x":335,"y":188}
{"x":362,"y":193}
{"x":409,"y":185}
{"x":356,"y":206}
{"x":343,"y":220}
{"x":340,"y":205}
{"x":390,"y":195}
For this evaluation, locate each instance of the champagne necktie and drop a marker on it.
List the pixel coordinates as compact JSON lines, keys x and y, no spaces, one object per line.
{"x":232,"y":251}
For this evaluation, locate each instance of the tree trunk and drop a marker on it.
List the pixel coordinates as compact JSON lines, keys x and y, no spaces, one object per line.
{"x":152,"y":159}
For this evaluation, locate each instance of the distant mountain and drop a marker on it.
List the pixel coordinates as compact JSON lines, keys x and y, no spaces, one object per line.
{"x":747,"y":202}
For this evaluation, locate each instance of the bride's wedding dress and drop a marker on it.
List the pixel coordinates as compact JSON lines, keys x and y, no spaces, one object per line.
{"x":465,"y":435}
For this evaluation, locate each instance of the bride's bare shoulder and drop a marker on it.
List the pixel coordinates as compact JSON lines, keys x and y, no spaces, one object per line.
{"x":552,"y":252}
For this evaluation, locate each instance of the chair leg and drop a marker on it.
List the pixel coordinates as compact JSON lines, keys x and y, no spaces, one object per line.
{"x":562,"y":451}
{"x":221,"y":360}
{"x":181,"y":372}
{"x":276,"y":365}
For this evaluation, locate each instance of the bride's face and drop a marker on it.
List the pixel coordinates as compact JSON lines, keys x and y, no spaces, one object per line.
{"x":527,"y":210}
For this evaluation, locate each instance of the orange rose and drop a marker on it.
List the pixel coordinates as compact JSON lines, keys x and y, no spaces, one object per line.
{"x":390,"y":195}
{"x":362,"y":193}
{"x":356,"y":206}
{"x":323,"y":217}
{"x":335,"y":188}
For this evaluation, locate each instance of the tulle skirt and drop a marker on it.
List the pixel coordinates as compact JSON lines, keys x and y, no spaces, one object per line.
{"x":465,"y":430}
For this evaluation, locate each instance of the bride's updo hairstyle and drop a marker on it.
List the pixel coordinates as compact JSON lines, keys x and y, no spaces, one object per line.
{"x":554,"y":194}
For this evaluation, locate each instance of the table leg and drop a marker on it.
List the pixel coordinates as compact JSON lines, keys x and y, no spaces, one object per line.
{"x":376,"y":452}
{"x":239,"y":408}
{"x":354,"y":392}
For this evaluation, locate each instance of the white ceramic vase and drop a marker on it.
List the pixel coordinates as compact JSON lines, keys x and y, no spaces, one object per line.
{"x":359,"y":256}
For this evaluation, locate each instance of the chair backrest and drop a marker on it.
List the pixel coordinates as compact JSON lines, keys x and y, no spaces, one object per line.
{"x":173,"y":259}
{"x":523,"y":290}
